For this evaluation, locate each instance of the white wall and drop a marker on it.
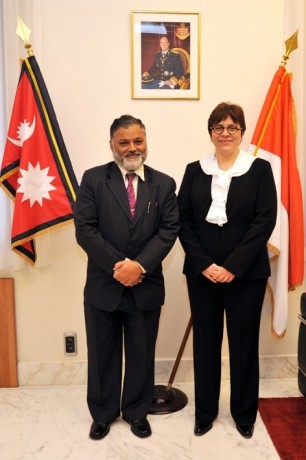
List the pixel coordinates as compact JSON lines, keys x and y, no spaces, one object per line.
{"x":83,"y":48}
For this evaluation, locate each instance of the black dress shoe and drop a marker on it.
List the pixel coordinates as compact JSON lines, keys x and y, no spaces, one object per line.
{"x":201,"y":428}
{"x":245,"y":429}
{"x":140,"y":427}
{"x":99,"y":430}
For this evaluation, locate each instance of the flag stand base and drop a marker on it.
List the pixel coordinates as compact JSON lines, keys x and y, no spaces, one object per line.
{"x":167,"y":399}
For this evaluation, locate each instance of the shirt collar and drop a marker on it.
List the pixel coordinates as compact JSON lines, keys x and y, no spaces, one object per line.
{"x":242,"y":164}
{"x":139,"y":172}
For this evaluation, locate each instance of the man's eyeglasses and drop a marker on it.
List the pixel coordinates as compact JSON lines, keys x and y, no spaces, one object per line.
{"x":218,"y":129}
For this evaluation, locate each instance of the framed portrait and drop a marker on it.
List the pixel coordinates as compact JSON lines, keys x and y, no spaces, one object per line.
{"x":165,"y":55}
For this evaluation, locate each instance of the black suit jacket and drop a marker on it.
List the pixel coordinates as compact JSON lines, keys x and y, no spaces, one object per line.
{"x":240,"y":245}
{"x":107,"y":233}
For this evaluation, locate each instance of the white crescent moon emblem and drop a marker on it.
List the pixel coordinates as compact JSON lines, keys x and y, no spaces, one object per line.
{"x":25,"y":131}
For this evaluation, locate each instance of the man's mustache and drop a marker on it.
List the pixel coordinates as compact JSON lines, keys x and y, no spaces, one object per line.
{"x":130,"y":154}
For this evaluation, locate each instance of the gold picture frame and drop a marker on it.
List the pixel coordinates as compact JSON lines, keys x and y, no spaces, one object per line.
{"x":175,"y":75}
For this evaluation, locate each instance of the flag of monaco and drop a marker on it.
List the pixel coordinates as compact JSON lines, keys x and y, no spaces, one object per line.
{"x":274,"y":139}
{"x":36,"y":171}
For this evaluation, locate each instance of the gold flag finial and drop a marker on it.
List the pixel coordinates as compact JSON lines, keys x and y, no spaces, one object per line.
{"x":24,"y":33}
{"x":291,"y":45}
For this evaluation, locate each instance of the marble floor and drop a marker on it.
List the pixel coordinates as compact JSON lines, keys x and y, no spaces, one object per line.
{"x":52,"y":423}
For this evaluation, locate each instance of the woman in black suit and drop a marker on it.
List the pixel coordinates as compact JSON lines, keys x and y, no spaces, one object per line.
{"x":228,"y":210}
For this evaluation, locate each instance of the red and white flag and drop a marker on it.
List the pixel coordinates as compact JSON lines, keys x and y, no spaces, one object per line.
{"x":36,"y":171}
{"x":274,"y":139}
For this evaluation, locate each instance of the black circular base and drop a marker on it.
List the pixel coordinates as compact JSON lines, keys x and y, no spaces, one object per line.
{"x":166,"y":400}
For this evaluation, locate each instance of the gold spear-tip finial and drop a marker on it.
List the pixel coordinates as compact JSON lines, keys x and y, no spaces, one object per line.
{"x":291,"y":45}
{"x":24,"y":33}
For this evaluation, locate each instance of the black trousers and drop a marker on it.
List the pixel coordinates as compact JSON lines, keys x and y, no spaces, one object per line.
{"x":241,"y":301}
{"x":106,"y":333}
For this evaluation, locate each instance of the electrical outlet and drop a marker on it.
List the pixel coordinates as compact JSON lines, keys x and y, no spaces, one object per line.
{"x":70,"y":343}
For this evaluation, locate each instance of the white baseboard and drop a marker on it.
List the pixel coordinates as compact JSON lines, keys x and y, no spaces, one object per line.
{"x":75,"y":372}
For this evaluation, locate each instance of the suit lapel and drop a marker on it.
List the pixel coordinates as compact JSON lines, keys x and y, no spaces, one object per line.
{"x":207,"y":190}
{"x":115,"y":184}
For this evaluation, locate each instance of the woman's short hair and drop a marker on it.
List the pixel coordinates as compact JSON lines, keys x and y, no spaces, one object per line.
{"x":224,"y":110}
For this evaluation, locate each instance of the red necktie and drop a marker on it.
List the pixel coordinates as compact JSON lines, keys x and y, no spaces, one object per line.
{"x":131,"y":193}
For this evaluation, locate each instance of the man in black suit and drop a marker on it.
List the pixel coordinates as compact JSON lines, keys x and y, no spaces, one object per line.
{"x":126,"y":243}
{"x":166,"y":70}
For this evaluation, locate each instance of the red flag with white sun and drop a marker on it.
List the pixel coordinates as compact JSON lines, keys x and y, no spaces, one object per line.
{"x":36,"y":171}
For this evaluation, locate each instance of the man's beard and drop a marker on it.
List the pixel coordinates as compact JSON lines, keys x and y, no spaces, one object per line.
{"x":130,"y":164}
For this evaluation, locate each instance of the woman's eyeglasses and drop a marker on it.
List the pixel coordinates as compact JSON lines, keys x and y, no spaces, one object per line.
{"x":218,"y":129}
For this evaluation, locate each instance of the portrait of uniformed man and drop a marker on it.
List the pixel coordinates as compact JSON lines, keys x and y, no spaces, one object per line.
{"x":166,"y":71}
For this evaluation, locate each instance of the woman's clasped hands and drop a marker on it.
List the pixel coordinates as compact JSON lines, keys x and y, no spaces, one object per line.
{"x":218,"y":274}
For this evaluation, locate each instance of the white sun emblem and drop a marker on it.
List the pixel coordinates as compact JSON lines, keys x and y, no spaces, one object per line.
{"x":35,"y":184}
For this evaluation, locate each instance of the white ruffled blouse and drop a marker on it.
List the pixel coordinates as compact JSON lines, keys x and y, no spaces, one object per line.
{"x":221,"y":182}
